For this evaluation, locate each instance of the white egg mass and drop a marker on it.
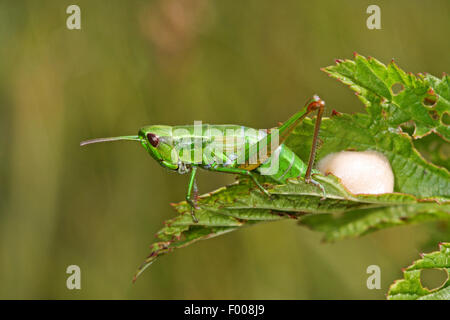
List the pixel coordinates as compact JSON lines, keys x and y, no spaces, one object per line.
{"x":361,"y":172}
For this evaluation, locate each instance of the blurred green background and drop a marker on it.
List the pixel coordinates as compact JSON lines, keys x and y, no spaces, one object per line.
{"x":135,"y":63}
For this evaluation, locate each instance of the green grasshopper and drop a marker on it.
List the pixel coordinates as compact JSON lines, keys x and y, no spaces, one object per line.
{"x":245,"y":151}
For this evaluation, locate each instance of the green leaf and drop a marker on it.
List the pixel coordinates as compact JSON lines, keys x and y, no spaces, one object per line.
{"x":410,"y":287}
{"x":423,"y":100}
{"x":422,"y":188}
{"x":360,"y":222}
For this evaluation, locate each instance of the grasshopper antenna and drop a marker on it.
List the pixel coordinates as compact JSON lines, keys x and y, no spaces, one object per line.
{"x":131,"y":138}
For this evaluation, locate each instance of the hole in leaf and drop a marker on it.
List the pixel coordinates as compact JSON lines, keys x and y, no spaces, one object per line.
{"x":433,"y":114}
{"x":408,"y":127}
{"x":429,"y":101}
{"x":433,"y":278}
{"x":434,"y":149}
{"x":396,"y":88}
{"x":446,"y":119}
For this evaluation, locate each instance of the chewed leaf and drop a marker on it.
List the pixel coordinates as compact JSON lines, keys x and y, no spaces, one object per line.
{"x":403,"y":97}
{"x":340,"y":215}
{"x":410,"y":287}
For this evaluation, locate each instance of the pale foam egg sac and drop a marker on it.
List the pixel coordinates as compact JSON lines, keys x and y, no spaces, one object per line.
{"x":361,"y":172}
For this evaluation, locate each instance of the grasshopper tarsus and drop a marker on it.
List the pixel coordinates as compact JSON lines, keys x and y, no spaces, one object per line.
{"x":194,"y":218}
{"x":319,"y":185}
{"x":194,"y":206}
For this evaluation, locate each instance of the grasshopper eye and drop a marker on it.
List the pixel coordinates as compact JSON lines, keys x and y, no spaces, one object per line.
{"x":153,"y":139}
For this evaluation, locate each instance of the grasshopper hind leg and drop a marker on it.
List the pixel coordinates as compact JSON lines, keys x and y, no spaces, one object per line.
{"x":318,"y":105}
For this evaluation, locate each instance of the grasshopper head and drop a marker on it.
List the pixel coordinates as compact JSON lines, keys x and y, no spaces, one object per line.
{"x":157,"y":140}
